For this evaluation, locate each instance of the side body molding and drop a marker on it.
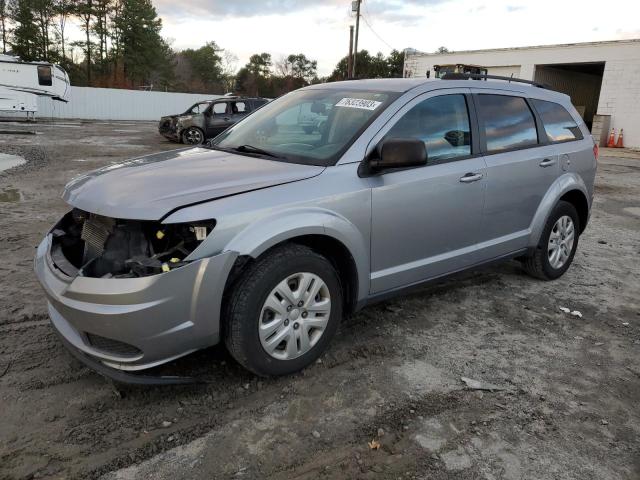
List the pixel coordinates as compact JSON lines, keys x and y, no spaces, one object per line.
{"x":563,"y":184}
{"x":269,"y":231}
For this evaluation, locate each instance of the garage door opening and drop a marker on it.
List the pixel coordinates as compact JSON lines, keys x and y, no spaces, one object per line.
{"x":581,"y":81}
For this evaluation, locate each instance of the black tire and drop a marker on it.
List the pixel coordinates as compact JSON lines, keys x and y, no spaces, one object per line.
{"x":537,"y":264}
{"x":193,"y":136}
{"x":244,"y":304}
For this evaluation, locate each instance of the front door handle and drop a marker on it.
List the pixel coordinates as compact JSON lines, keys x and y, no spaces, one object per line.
{"x":547,"y":162}
{"x":471,"y":177}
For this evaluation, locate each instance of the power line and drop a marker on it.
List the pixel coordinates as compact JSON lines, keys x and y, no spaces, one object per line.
{"x":376,"y":33}
{"x":371,"y":28}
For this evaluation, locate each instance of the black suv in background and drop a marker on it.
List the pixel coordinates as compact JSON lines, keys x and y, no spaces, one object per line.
{"x":207,"y":119}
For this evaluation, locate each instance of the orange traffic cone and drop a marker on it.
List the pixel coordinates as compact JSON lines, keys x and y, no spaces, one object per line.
{"x":620,"y":143}
{"x":612,"y":139}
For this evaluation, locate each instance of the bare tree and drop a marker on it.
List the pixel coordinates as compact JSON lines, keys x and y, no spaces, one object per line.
{"x":101,"y":26}
{"x":85,"y":11}
{"x":63,"y":9}
{"x":229,"y":68}
{"x":3,"y":24}
{"x":283,"y":67}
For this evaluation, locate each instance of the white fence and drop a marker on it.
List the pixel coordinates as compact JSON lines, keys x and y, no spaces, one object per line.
{"x":113,"y":104}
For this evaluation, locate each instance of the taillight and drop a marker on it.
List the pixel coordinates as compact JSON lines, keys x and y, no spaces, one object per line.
{"x":596,"y":151}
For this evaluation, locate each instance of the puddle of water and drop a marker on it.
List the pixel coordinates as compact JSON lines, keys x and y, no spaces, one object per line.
{"x":10,"y":195}
{"x":9,"y":161}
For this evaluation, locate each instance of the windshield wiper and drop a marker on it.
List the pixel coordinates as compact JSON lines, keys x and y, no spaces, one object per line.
{"x":252,"y":149}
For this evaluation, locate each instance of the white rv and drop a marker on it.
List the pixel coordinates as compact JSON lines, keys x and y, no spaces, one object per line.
{"x":22,"y":82}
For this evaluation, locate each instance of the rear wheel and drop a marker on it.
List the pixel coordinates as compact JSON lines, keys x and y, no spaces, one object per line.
{"x":284,"y":311}
{"x":192,"y":136}
{"x":558,"y":243}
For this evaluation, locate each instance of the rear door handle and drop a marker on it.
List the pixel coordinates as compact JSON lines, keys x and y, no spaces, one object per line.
{"x":471,"y":177}
{"x":547,"y":162}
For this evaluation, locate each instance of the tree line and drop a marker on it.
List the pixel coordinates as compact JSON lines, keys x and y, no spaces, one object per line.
{"x":122,"y":47}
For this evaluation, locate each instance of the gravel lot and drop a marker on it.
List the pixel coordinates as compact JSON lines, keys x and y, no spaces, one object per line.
{"x":567,"y":407}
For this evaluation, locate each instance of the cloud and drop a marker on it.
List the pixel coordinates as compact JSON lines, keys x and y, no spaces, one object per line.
{"x":389,"y":11}
{"x":238,"y":8}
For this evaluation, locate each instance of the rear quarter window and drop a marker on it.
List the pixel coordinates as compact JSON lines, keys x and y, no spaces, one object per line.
{"x":558,"y":123}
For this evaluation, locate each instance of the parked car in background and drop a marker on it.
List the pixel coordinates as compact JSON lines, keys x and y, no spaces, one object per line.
{"x":268,"y":237}
{"x":207,"y":119}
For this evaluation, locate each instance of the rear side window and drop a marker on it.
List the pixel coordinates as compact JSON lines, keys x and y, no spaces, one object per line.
{"x":507,"y":121}
{"x":442,"y":123}
{"x":558,"y":123}
{"x":220,"y":108}
{"x":239,"y":107}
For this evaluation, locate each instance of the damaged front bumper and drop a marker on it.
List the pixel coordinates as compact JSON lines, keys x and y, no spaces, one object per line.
{"x":170,"y":130}
{"x":134,"y":324}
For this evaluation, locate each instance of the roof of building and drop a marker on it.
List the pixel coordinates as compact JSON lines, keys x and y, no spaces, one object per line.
{"x":508,"y":49}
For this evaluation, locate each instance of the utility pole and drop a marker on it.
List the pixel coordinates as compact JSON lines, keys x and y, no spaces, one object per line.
{"x":355,"y":50}
{"x":350,"y":57}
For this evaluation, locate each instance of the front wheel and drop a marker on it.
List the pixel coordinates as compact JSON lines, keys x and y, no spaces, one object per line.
{"x":558,"y":243}
{"x":284,"y":311}
{"x":193,"y":136}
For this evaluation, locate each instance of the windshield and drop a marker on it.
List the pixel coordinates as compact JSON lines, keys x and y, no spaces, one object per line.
{"x":313,"y":127}
{"x":198,"y":108}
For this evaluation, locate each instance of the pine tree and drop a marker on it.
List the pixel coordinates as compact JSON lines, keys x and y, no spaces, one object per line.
{"x":27,"y":42}
{"x":143,"y":50}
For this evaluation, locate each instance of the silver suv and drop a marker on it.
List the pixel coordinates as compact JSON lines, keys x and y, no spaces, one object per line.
{"x":270,"y":236}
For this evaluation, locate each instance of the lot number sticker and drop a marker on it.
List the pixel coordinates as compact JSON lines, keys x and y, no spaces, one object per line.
{"x":360,"y":103}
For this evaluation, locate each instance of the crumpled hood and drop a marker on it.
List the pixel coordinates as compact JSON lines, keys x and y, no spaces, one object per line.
{"x":149,"y":187}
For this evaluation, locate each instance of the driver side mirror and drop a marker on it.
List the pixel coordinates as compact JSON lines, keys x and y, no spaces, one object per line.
{"x":400,"y":153}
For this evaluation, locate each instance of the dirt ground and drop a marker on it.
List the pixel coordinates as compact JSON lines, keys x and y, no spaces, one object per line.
{"x":567,"y":407}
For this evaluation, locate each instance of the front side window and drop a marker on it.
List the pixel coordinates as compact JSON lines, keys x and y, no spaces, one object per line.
{"x":313,"y":126}
{"x":198,"y":108}
{"x":508,"y":122}
{"x":44,"y":75}
{"x":558,"y":123}
{"x":219,"y":108}
{"x":442,"y":123}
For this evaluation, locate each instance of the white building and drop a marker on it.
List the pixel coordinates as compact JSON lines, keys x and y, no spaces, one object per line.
{"x":602,"y":78}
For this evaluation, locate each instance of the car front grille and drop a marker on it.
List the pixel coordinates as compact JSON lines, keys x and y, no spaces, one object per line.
{"x":113,"y":347}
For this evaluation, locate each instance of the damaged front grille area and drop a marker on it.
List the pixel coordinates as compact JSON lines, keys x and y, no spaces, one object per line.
{"x":94,"y":246}
{"x":95,"y":232}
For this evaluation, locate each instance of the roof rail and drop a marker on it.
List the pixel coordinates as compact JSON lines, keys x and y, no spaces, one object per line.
{"x":481,"y":76}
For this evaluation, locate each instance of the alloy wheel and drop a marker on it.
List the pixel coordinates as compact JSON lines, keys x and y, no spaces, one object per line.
{"x":193,"y":136}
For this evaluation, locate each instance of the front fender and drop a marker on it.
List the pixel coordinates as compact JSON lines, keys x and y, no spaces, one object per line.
{"x":567,"y":182}
{"x":269,"y":231}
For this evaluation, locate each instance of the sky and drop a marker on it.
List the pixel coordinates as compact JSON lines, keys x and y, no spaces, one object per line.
{"x":320,"y":28}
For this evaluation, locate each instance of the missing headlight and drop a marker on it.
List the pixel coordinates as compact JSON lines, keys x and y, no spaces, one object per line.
{"x":100,"y":247}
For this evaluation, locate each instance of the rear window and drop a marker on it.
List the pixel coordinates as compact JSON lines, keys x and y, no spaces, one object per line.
{"x":558,"y":122}
{"x":508,"y":122}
